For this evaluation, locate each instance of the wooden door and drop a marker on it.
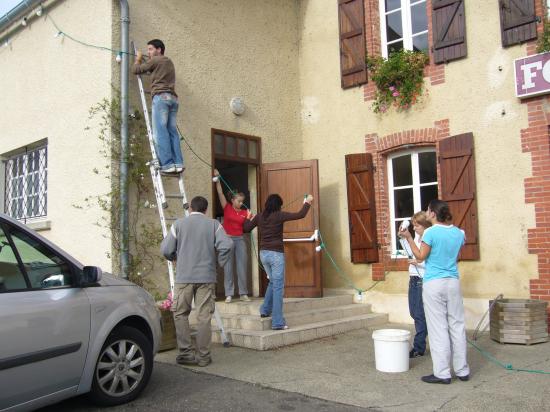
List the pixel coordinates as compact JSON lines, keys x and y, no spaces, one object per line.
{"x":291,"y":180}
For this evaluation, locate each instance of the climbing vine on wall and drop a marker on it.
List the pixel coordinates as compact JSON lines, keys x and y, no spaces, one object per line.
{"x":543,"y":43}
{"x":144,"y":237}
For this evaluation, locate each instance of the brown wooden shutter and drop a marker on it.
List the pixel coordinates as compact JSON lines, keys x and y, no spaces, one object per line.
{"x":518,"y":21}
{"x":458,"y":187}
{"x":353,"y":51}
{"x":361,"y":208}
{"x":449,"y":30}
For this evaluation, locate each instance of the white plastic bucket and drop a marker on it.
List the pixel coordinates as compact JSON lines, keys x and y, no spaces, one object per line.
{"x":391,"y":350}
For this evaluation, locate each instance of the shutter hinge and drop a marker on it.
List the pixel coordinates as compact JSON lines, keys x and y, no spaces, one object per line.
{"x":374,"y":168}
{"x":438,"y":159}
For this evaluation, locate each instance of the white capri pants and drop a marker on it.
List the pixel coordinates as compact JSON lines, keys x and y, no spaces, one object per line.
{"x":446,"y":329}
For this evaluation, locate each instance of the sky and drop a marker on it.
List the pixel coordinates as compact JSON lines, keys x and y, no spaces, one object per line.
{"x":7,"y":5}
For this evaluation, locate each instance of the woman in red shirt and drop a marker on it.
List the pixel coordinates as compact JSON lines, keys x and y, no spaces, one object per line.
{"x":233,"y":220}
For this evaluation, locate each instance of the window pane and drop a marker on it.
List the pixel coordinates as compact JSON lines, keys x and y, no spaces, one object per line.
{"x":403,"y":203}
{"x":394,"y":47}
{"x":402,"y":171}
{"x":218,"y":144}
{"x":230,"y":146}
{"x":11,"y":277}
{"x":394,"y":28}
{"x":253,"y":149}
{"x":44,"y":269}
{"x":392,"y":4}
{"x":241,"y":149}
{"x":420,"y":42}
{"x":419,"y":18}
{"x":427,"y":194}
{"x":427,"y":167}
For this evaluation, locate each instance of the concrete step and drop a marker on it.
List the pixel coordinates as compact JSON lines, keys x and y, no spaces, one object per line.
{"x":270,"y":339}
{"x":293,"y":319}
{"x":290,"y":304}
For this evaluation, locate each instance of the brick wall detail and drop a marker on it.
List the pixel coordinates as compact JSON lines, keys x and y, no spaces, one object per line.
{"x":380,"y":147}
{"x":535,"y":139}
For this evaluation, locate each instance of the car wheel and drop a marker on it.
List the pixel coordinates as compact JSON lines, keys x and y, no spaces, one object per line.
{"x":123,"y":368}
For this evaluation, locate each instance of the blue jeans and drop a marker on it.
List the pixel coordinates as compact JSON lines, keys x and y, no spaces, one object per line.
{"x":274,"y":265}
{"x":165,"y":131}
{"x":416,"y":309}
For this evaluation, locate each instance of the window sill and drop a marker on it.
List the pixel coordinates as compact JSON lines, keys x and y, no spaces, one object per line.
{"x":40,"y":225}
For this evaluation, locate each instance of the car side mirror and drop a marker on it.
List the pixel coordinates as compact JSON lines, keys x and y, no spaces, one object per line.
{"x":90,"y":275}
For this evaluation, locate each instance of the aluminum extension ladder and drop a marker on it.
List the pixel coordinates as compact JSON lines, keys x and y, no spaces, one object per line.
{"x":162,"y":197}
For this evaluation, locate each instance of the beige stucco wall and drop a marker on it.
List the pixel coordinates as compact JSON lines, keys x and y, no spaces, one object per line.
{"x":335,"y":121}
{"x":48,"y":84}
{"x":245,"y":48}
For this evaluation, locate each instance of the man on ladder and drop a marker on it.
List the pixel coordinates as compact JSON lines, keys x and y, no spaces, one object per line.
{"x":165,"y":106}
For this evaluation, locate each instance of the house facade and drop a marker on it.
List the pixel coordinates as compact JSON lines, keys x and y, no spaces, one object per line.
{"x":299,"y":67}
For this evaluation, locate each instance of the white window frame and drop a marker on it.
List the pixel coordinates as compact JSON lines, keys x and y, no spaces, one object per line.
{"x":406,"y":23}
{"x":416,"y":185}
{"x":10,"y":178}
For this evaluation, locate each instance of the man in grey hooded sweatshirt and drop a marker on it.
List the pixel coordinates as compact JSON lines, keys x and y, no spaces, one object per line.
{"x":194,"y":241}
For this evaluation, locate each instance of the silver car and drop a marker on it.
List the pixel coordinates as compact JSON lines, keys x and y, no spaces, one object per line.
{"x":66,"y":329}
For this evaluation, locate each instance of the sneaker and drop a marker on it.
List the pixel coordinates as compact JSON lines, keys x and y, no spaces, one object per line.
{"x":264,"y":316}
{"x":204,"y":362}
{"x":228,"y":299}
{"x":414,"y":354}
{"x":465,"y":378}
{"x":281,"y":328}
{"x":168,"y":171}
{"x":435,"y":379}
{"x":245,"y":298}
{"x":180,"y":169}
{"x":186,"y":360}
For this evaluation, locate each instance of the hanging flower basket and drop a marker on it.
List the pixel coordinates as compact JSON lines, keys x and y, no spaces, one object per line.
{"x":399,"y":79}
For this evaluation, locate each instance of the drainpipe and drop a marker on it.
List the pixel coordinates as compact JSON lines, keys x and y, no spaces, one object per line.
{"x":124,"y":67}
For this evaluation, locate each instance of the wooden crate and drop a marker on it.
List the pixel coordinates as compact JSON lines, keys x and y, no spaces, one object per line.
{"x":521,"y":321}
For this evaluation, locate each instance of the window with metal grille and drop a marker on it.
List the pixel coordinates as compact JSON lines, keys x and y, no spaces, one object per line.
{"x":26,"y":184}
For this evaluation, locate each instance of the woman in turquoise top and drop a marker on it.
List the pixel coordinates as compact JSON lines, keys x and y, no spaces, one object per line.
{"x":442,"y":297}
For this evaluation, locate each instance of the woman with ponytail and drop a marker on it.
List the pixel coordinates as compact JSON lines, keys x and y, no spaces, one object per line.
{"x":443,"y":305}
{"x":270,"y":224}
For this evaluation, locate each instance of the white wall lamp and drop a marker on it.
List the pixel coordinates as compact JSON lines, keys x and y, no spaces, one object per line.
{"x":237,"y":106}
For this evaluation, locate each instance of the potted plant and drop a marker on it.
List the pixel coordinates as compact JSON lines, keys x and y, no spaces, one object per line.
{"x":168,"y":340}
{"x":399,"y":79}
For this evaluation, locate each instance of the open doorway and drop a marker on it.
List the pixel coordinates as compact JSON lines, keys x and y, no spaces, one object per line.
{"x":237,"y":158}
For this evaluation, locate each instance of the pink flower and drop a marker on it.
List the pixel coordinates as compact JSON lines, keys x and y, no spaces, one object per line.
{"x":392,"y":88}
{"x":395,"y":94}
{"x":167,"y":303}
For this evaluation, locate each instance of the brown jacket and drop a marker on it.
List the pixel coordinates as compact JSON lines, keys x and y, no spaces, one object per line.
{"x":163,"y":74}
{"x":271,"y":228}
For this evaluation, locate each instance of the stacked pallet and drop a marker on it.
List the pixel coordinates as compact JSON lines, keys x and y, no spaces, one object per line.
{"x":521,"y":321}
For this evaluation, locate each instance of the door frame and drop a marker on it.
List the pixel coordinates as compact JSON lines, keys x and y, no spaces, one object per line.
{"x":257,"y":162}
